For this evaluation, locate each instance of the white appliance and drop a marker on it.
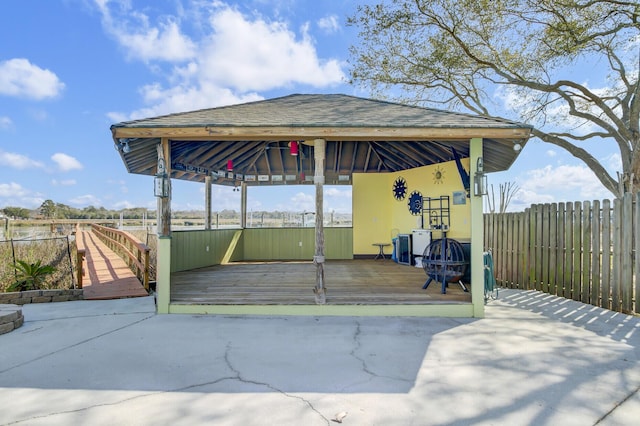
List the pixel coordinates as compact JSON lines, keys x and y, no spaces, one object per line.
{"x":420,"y":239}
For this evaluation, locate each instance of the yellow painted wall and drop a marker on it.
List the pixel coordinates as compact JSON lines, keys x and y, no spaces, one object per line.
{"x":378,"y":216}
{"x":371,"y":212}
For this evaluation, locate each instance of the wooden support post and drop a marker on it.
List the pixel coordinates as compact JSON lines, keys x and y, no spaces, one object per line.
{"x":80,"y":265}
{"x":164,"y":203}
{"x":163,"y":264}
{"x":207,"y":202}
{"x":243,"y":205}
{"x":477,"y":235}
{"x":318,"y":258}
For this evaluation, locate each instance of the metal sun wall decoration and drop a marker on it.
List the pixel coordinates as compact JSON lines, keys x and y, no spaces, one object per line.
{"x":400,"y":189}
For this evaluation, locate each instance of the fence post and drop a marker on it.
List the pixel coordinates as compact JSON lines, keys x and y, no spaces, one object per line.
{"x":605,"y":293}
{"x":626,"y":252}
{"x":146,"y":268}
{"x":616,"y":275}
{"x":636,"y":242}
{"x":560,"y":250}
{"x":522,"y":249}
{"x":568,"y":251}
{"x":509,"y":249}
{"x":596,"y":234}
{"x":546,"y":247}
{"x":70,"y":261}
{"x":585,"y":288}
{"x":576,"y":280}
{"x":529,"y":244}
{"x":80,"y":271}
{"x":553,"y":244}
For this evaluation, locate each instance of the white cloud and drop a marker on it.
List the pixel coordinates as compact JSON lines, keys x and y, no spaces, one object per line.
{"x":558,"y":184}
{"x":260,"y":55}
{"x":117,"y":117}
{"x":551,"y":153}
{"x":164,"y":43}
{"x":12,"y":190}
{"x":13,"y":194}
{"x":338,"y":192}
{"x":329,"y":24}
{"x":613,"y":161}
{"x":20,"y":78}
{"x":133,"y":31}
{"x":302,"y":202}
{"x":236,"y":57}
{"x":123,"y":205}
{"x":66,"y":162}
{"x":5,"y":122}
{"x":222,"y":198}
{"x":183,"y":98}
{"x":338,"y":199}
{"x":18,"y":161}
{"x":86,"y":200}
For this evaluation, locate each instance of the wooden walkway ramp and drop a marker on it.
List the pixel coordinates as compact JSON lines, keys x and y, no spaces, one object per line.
{"x":105,"y":274}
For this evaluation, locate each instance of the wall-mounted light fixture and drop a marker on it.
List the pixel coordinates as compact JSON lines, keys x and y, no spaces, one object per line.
{"x":480,"y":179}
{"x":161,"y":181}
{"x":161,"y":185}
{"x":517,"y":147}
{"x":293,"y":148}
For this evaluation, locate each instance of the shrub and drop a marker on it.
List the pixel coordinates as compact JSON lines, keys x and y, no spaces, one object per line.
{"x":30,"y":275}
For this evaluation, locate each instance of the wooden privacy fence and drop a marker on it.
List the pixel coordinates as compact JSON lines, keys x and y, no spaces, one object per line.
{"x":583,"y":251}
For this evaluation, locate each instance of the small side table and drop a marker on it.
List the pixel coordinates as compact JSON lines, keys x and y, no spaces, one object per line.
{"x":381,"y":246}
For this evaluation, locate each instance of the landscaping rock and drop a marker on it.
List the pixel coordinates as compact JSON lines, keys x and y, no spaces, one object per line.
{"x":10,"y":318}
{"x":40,"y":296}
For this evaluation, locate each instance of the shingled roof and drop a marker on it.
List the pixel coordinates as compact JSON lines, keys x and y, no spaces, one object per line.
{"x":363,"y":136}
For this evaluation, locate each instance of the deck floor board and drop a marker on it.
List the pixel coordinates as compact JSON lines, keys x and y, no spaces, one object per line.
{"x":107,"y":275}
{"x":348,"y":282}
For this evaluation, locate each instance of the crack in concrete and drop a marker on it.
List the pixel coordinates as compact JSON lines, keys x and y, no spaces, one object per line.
{"x":357,"y":345}
{"x":237,"y":375}
{"x":616,"y":406}
{"x":88,"y":316}
{"x":75,"y":345}
{"x":122,"y":401}
{"x":240,"y":378}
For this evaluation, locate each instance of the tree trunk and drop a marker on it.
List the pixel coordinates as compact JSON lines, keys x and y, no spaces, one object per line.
{"x":318,"y":258}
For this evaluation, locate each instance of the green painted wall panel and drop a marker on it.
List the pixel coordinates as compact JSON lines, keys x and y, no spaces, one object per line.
{"x":338,"y":243}
{"x":295,"y":243}
{"x":189,"y":248}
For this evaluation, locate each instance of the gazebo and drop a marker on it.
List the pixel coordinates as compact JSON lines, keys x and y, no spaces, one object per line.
{"x":410,"y":168}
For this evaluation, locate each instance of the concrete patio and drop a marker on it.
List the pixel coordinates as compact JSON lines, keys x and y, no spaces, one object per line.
{"x":534,"y":359}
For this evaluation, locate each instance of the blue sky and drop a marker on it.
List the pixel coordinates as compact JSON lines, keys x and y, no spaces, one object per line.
{"x":75,"y":67}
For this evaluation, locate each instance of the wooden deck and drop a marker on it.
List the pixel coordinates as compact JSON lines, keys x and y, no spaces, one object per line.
{"x":348,"y":282}
{"x":106,"y":275}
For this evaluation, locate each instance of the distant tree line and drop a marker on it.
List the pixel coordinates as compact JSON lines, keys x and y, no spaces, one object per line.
{"x":52,"y":210}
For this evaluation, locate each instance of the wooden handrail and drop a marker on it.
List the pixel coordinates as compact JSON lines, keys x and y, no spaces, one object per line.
{"x":129,"y":248}
{"x":81,"y":250}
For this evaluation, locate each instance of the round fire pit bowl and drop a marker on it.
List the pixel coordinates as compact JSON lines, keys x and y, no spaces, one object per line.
{"x":443,"y":261}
